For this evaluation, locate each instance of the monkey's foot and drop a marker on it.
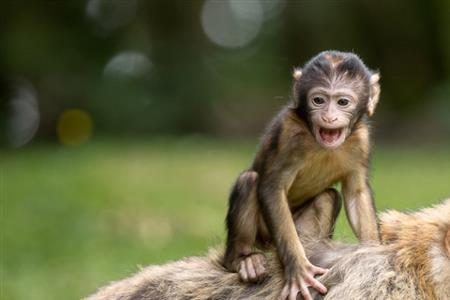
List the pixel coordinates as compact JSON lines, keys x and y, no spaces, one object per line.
{"x":252,"y":268}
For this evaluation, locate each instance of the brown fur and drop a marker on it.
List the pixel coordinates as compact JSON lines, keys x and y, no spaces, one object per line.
{"x":334,"y":166}
{"x":412,"y":263}
{"x":293,"y":166}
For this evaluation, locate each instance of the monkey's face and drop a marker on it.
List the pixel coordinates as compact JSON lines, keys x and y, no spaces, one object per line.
{"x":331,"y":113}
{"x":332,"y":93}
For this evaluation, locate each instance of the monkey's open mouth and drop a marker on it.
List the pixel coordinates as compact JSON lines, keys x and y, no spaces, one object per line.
{"x":330,"y":137}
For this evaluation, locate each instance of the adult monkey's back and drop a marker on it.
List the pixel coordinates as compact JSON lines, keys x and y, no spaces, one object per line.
{"x":403,"y":267}
{"x":319,"y":139}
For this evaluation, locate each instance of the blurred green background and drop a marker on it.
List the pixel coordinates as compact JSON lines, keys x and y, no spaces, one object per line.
{"x":125,"y":122}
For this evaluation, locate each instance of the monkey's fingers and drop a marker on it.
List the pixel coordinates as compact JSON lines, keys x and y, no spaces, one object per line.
{"x":243,"y":271}
{"x":305,"y":292}
{"x":290,"y":291}
{"x":259,"y":263}
{"x":293,"y":292}
{"x":284,"y":293}
{"x":315,"y":284}
{"x":318,"y":270}
{"x":252,"y":268}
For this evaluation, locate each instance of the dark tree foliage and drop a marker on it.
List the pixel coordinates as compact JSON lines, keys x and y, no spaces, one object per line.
{"x":176,"y":80}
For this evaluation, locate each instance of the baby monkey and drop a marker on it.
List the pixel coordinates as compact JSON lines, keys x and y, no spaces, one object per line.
{"x":320,"y":139}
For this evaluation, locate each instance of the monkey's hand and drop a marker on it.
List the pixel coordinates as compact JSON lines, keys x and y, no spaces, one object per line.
{"x":252,"y":268}
{"x":299,"y":282}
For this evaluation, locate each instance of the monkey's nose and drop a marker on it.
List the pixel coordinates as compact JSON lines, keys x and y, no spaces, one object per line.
{"x":329,"y":119}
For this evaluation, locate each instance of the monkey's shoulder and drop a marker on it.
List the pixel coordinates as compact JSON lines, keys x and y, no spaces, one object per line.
{"x":282,"y":132}
{"x":291,"y":131}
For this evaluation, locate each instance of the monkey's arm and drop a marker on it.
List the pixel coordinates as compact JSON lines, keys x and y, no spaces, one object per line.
{"x":299,"y":272}
{"x":278,"y":217}
{"x":360,"y":207}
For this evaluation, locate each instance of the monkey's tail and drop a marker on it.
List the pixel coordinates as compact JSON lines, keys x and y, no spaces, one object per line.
{"x":198,"y":278}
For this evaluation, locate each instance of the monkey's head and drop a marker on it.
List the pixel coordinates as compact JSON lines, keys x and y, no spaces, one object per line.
{"x":332,"y":92}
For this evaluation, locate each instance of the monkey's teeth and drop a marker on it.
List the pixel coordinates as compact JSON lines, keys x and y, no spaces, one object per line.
{"x":330,"y":135}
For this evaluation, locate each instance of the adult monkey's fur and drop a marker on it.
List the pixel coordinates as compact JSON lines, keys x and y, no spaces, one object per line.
{"x":413,"y":262}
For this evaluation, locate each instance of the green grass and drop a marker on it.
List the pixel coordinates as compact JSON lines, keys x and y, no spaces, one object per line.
{"x":73,"y":219}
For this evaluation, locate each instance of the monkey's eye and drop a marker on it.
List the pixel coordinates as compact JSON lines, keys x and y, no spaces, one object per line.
{"x":343,"y":102}
{"x":318,"y":100}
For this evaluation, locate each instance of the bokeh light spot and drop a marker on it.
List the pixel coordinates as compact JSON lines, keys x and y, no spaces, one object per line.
{"x":128,"y":64}
{"x":74,"y":127}
{"x":232,"y":23}
{"x":111,"y":14}
{"x":24,"y":118}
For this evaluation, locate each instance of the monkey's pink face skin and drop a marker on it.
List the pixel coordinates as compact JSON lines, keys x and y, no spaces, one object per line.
{"x":331,"y":111}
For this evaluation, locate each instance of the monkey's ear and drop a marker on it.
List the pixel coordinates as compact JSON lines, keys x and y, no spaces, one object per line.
{"x":447,"y":242}
{"x":374,"y":93}
{"x":297,"y":73}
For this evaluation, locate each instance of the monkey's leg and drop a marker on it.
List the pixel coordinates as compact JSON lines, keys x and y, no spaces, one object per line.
{"x":317,"y":219}
{"x":242,"y":225}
